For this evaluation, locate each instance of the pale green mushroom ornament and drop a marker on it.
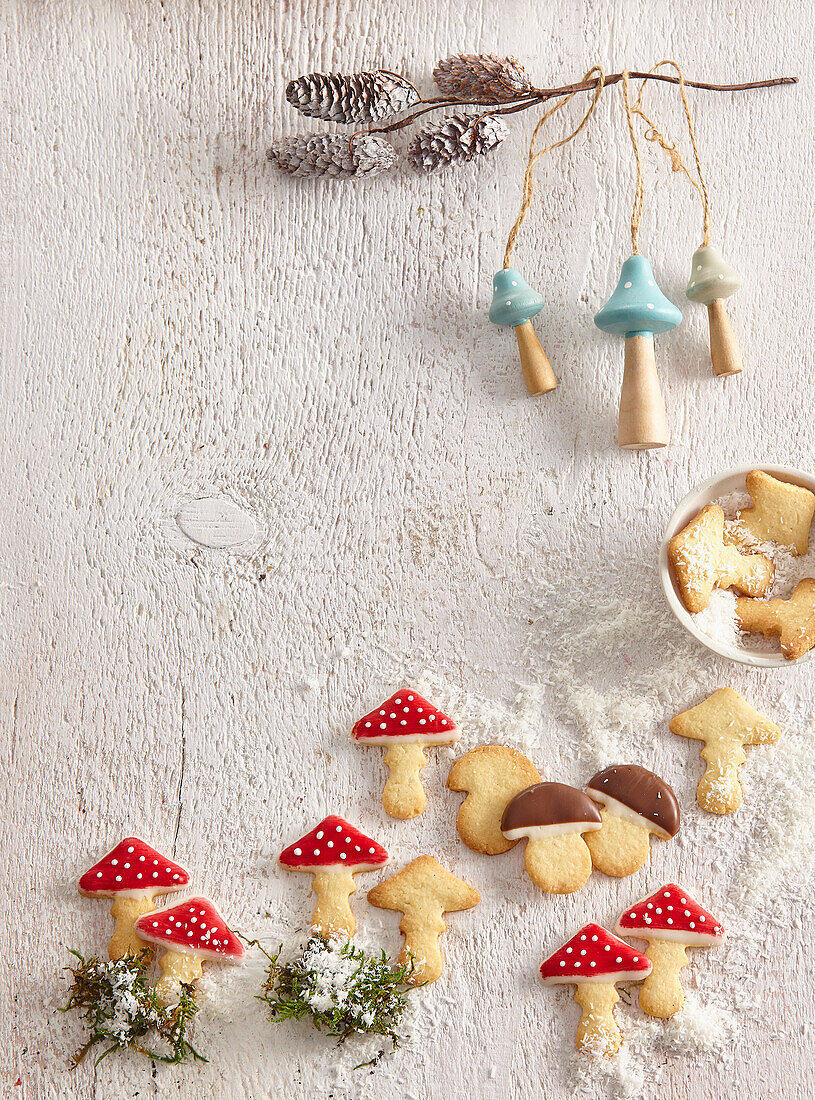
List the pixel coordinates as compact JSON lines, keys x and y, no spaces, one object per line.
{"x":711,"y":281}
{"x":638,"y":310}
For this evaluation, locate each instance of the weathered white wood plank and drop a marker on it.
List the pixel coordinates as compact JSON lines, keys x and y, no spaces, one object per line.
{"x":181,"y":324}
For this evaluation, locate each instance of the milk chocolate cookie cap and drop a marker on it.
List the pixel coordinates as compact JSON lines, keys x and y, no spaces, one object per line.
{"x":641,"y":791}
{"x":549,"y":809}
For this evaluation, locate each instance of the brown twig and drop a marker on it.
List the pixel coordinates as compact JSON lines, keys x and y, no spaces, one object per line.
{"x":540,"y":95}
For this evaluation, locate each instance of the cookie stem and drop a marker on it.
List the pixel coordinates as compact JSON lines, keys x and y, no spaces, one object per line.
{"x":126,"y":911}
{"x":332,"y":915}
{"x":404,"y":795}
{"x":597,"y":1031}
{"x":177,"y":967}
{"x":661,"y":993}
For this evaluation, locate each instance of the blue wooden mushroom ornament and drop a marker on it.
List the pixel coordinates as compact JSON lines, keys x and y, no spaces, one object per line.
{"x":637,"y":310}
{"x":515,"y":303}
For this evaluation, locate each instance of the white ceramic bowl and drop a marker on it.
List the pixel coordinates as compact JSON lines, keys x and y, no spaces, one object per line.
{"x":730,"y":481}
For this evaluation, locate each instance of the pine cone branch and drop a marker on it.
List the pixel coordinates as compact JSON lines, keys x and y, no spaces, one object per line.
{"x":482,"y":78}
{"x":358,"y":98}
{"x":333,"y":155}
{"x":456,"y":140}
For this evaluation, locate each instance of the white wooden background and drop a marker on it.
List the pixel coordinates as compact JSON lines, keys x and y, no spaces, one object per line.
{"x":180,"y":322}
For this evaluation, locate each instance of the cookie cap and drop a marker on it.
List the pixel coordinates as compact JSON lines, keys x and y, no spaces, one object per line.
{"x":406,"y":716}
{"x":193,"y":927}
{"x":131,"y":869}
{"x":549,"y":809}
{"x":670,"y":913}
{"x":595,"y":955}
{"x":636,"y":794}
{"x":334,"y":844}
{"x":424,"y":881}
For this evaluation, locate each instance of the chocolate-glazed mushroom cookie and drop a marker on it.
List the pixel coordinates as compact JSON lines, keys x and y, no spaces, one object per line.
{"x":635,"y":804}
{"x":552,"y":816}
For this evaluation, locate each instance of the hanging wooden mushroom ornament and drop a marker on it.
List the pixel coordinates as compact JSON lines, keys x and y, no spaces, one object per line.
{"x":638,"y":310}
{"x":515,"y":303}
{"x":711,"y":281}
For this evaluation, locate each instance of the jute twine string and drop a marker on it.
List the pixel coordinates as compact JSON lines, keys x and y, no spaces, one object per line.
{"x":678,"y":165}
{"x":535,"y":155}
{"x":639,"y":191}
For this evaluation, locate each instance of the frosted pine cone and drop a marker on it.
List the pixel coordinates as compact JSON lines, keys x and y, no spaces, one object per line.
{"x":457,"y":139}
{"x":359,"y":98}
{"x":333,"y":155}
{"x":482,"y":78}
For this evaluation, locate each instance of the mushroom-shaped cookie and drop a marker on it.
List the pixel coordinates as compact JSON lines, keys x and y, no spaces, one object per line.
{"x":423,"y":892}
{"x":701,"y":561}
{"x":725,"y":722}
{"x":792,"y":621}
{"x":553,"y":816}
{"x":638,"y":310}
{"x":594,"y":961}
{"x":781,"y":512}
{"x":132,"y":874}
{"x":191,"y":931}
{"x":711,"y":281}
{"x":334,"y":852}
{"x":635,"y":804}
{"x":491,"y":775}
{"x":406,"y":723}
{"x":671,"y":921}
{"x":515,"y":303}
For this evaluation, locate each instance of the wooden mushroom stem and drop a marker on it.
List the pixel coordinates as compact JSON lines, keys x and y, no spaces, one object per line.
{"x":725,"y":353}
{"x":620,"y":848}
{"x":404,"y":795}
{"x":538,"y":373}
{"x":661,"y":993}
{"x":558,"y":864}
{"x":177,"y":968}
{"x":719,"y":790}
{"x":332,"y":916}
{"x":126,"y":911}
{"x":598,"y":1030}
{"x":642,"y":423}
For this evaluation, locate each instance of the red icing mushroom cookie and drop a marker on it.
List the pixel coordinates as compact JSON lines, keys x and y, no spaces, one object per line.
{"x":406,"y":723}
{"x":671,"y":921}
{"x":593,"y":960}
{"x":190,"y":931}
{"x":132,"y":874}
{"x":334,"y":851}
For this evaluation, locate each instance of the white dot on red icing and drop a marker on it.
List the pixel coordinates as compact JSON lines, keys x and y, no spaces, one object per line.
{"x":357,"y":848}
{"x":190,"y":932}
{"x":383,"y":725}
{"x":410,"y":698}
{"x":577,"y":963}
{"x":114,"y":862}
{"x":421,"y":721}
{"x":657,"y":910}
{"x":398,"y":701}
{"x":130,"y":849}
{"x":649,"y":906}
{"x":330,"y":844}
{"x":139,"y":875}
{"x":582,"y":937}
{"x":702,"y":919}
{"x":371,"y":851}
{"x":670,"y":920}
{"x":118,"y":878}
{"x":193,"y":920}
{"x":175,"y":877}
{"x":594,"y":939}
{"x":583,"y":952}
{"x":562,"y":962}
{"x":692,"y":924}
{"x":619,"y":959}
{"x":431,"y":717}
{"x":569,"y":950}
{"x":348,"y":840}
{"x":155,"y":863}
{"x":687,"y":912}
{"x":155,"y":924}
{"x":98,"y":874}
{"x":444,"y":721}
{"x":141,"y":859}
{"x":405,"y":709}
{"x":607,"y":947}
{"x":338,"y":829}
{"x":320,"y":835}
{"x":367,"y":725}
{"x":403,"y":723}
{"x":382,"y":713}
{"x":667,"y":893}
{"x":636,"y":959}
{"x":393,"y":715}
{"x":420,"y":710}
{"x":342,"y":855}
{"x":298,"y":851}
{"x":155,"y":874}
{"x":316,"y":851}
{"x":127,"y":865}
{"x":684,"y":901}
{"x":592,"y":964}
{"x":167,"y":931}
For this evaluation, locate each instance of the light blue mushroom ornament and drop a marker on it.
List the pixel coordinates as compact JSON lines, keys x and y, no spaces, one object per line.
{"x":515,"y":303}
{"x":637,"y":310}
